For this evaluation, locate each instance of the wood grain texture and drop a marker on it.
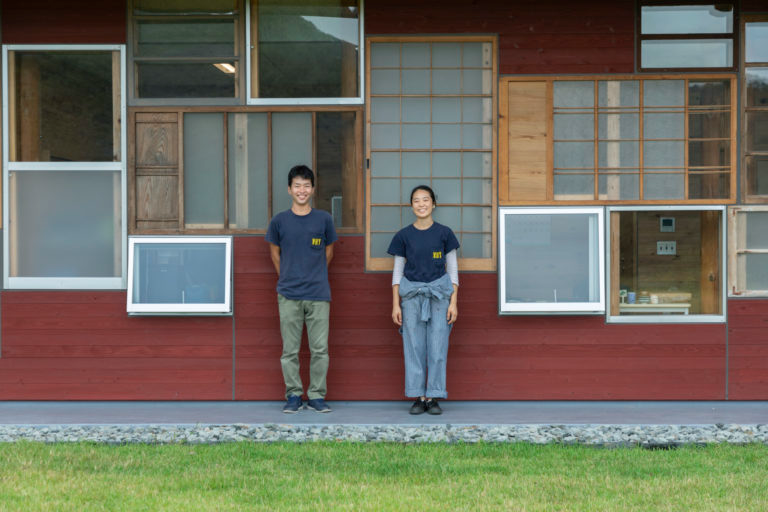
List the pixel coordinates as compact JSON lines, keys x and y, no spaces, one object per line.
{"x":748,"y":349}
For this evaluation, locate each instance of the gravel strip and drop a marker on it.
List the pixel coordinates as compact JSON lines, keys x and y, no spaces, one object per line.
{"x":648,"y":436}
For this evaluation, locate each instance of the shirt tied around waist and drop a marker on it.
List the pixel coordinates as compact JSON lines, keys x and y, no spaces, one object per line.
{"x":438,"y":290}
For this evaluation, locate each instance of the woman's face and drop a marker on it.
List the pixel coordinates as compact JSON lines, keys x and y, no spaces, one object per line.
{"x":422,"y":204}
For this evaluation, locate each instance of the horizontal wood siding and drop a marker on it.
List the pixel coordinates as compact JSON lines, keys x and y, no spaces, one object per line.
{"x":63,"y":22}
{"x":555,"y":36}
{"x":748,"y":349}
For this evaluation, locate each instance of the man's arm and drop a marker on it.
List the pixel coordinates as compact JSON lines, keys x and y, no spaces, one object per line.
{"x":328,"y":254}
{"x":274,"y":253}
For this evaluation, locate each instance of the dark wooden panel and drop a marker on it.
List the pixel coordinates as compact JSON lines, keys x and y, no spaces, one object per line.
{"x":748,"y":349}
{"x":70,"y":22}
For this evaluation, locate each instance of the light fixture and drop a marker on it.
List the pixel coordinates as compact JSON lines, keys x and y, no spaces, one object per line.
{"x":225,"y":67}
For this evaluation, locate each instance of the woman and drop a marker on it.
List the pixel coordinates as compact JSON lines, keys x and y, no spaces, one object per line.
{"x":426,"y":279}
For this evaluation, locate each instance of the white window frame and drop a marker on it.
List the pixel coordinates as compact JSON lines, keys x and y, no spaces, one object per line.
{"x":224,"y":308}
{"x":670,"y":319}
{"x":357,"y":100}
{"x":596,"y":248}
{"x":89,"y":283}
{"x":737,"y":272}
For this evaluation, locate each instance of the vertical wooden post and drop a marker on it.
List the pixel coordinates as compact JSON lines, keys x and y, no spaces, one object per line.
{"x":710,"y":263}
{"x":241,"y":171}
{"x":612,"y":132}
{"x":29,"y":109}
{"x":615,"y":270}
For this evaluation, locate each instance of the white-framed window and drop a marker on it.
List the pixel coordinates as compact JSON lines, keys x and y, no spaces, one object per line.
{"x":179,"y":275}
{"x":748,"y":251}
{"x":551,"y":260}
{"x":666,"y":264}
{"x":307,"y":52}
{"x":64,"y":166}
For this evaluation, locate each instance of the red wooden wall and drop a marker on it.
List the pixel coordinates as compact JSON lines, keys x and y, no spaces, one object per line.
{"x":748,"y":349}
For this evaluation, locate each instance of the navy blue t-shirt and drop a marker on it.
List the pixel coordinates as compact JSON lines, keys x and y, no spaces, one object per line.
{"x":424,"y":251}
{"x":302,"y":240}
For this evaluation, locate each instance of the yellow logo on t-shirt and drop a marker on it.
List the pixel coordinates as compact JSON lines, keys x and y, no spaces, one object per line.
{"x":317,"y":241}
{"x":437,"y":255}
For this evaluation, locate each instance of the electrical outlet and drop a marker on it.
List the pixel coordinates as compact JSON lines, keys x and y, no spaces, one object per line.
{"x":666,"y":248}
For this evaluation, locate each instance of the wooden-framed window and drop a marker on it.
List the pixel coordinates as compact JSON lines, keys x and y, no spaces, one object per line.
{"x":748,"y":251}
{"x":686,"y":34}
{"x":215,"y":170}
{"x":633,"y":138}
{"x":755,"y":110}
{"x":431,"y":104}
{"x":64,"y":178}
{"x":183,"y":52}
{"x":305,"y":52}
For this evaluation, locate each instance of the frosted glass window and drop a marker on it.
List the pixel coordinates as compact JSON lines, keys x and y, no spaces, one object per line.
{"x":446,"y":136}
{"x":416,"y":164}
{"x":476,"y":55}
{"x":417,"y":136}
{"x":446,"y":164}
{"x":385,"y":110}
{"x":618,"y":126}
{"x":248,"y":171}
{"x":664,"y":126}
{"x":176,"y":275}
{"x":385,"y":55}
{"x":416,"y":110}
{"x":446,"y":110}
{"x":475,"y":245}
{"x":416,"y":55}
{"x":448,"y":215}
{"x":385,"y":81}
{"x":476,"y":219}
{"x":476,"y":81}
{"x":476,"y":165}
{"x":476,"y":136}
{"x":574,"y":186}
{"x":574,"y":94}
{"x":385,"y":218}
{"x":618,"y":186}
{"x":618,"y":154}
{"x":574,"y":155}
{"x":385,"y":136}
{"x":748,"y":274}
{"x":385,"y":191}
{"x":574,"y":126}
{"x":699,"y":53}
{"x":447,"y":190}
{"x":407,"y":186}
{"x":476,"y":191}
{"x":756,"y":266}
{"x":446,"y":55}
{"x":416,"y":81}
{"x":757,"y":230}
{"x":663,"y":186}
{"x":380,"y":243}
{"x":291,"y":145}
{"x":618,"y":93}
{"x":477,"y":110}
{"x":663,"y":93}
{"x":446,"y":81}
{"x":663,"y":153}
{"x":551,"y":260}
{"x":204,"y":170}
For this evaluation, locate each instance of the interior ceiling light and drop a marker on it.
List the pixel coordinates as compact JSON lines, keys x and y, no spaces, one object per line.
{"x":225,"y":67}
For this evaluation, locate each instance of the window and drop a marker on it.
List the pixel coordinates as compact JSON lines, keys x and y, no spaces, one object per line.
{"x":618,"y":139}
{"x":666,"y":264}
{"x":686,"y":35}
{"x":64,"y":179}
{"x":225,"y":171}
{"x":431,"y":119}
{"x":306,"y":51}
{"x":551,"y":260}
{"x":185,"y":50}
{"x":169,"y":275}
{"x":748,"y":251}
{"x":755,"y":101}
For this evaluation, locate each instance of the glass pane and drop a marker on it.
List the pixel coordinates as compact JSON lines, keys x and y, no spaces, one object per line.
{"x":709,"y":153}
{"x":757,"y":175}
{"x":619,"y":154}
{"x":415,"y":55}
{"x":476,"y":191}
{"x":337,"y":172}
{"x":574,"y":186}
{"x":406,"y":213}
{"x":385,"y":55}
{"x":476,"y":81}
{"x":407,"y":186}
{"x":574,"y":94}
{"x":663,"y":153}
{"x":687,"y":53}
{"x":710,"y":92}
{"x":551,"y":258}
{"x":415,"y":164}
{"x":757,"y":271}
{"x":385,"y":164}
{"x":476,"y":136}
{"x":446,"y":55}
{"x":317,"y":41}
{"x":619,"y":126}
{"x":179,"y":273}
{"x":448,"y":216}
{"x":385,"y":191}
{"x":185,"y":6}
{"x":416,"y":110}
{"x":248,"y":171}
{"x":476,"y":110}
{"x":65,"y":111}
{"x":475,"y":245}
{"x":384,"y":218}
{"x":204,"y":170}
{"x":663,"y":186}
{"x":477,"y":165}
{"x":447,"y":190}
{"x":757,"y":131}
{"x":477,"y":55}
{"x":757,"y":230}
{"x":415,"y":81}
{"x":615,"y":187}
{"x":446,"y":110}
{"x":574,"y":126}
{"x":187,"y":38}
{"x":380,"y":243}
{"x":66,"y":224}
{"x":446,"y":81}
{"x":757,"y":87}
{"x":446,"y":136}
{"x":385,"y":136}
{"x":475,"y":218}
{"x":664,"y":126}
{"x":663,"y":93}
{"x":385,"y":110}
{"x":172,"y":80}
{"x":756,"y":42}
{"x":709,"y":186}
{"x":416,"y":136}
{"x":385,"y":81}
{"x":291,"y":145}
{"x":709,"y":125}
{"x":618,"y":93}
{"x":687,"y":19}
{"x":446,"y":164}
{"x":574,"y":155}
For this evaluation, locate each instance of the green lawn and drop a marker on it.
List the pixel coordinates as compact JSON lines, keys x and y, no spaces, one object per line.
{"x":348,"y":476}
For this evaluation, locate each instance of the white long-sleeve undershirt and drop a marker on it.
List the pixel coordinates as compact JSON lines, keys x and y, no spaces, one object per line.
{"x":451,"y":267}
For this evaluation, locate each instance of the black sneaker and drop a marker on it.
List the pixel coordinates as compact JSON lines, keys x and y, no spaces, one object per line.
{"x":433,"y":407}
{"x":293,"y":405}
{"x":318,"y":405}
{"x":418,"y":407}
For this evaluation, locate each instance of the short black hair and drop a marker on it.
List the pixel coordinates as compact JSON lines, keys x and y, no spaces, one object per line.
{"x":425,"y":188}
{"x":301,"y":171}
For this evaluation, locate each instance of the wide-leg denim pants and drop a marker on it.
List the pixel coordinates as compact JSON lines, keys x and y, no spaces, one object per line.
{"x":425,"y":336}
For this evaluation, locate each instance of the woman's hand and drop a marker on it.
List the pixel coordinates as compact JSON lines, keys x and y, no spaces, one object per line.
{"x":453,"y":312}
{"x":397,"y":314}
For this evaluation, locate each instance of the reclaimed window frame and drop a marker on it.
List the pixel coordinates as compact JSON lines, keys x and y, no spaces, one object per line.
{"x":692,"y":37}
{"x":465,"y":263}
{"x":162,"y":160}
{"x":117,"y":166}
{"x":738,"y":221}
{"x":526,"y":127}
{"x":747,"y":180}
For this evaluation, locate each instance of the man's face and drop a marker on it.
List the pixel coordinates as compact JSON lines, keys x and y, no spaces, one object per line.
{"x":301,"y":191}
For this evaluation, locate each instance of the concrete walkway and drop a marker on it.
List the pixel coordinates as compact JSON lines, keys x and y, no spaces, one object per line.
{"x":385,"y":413}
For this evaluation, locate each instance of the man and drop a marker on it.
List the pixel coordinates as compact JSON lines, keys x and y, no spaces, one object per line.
{"x":301,"y":246}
